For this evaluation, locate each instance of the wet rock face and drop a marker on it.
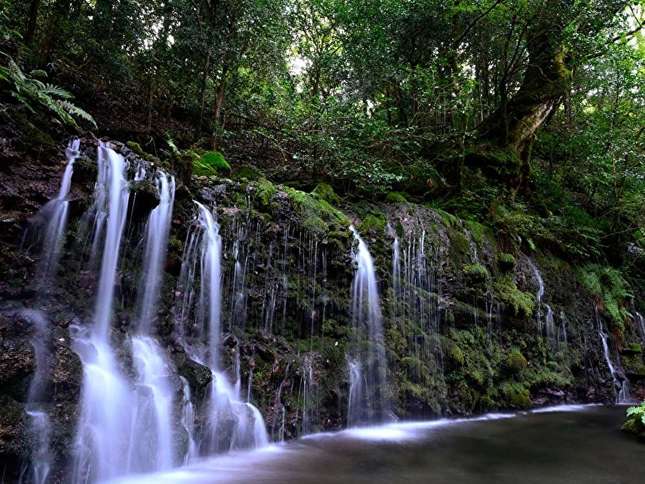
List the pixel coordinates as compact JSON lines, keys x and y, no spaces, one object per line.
{"x":461,"y":318}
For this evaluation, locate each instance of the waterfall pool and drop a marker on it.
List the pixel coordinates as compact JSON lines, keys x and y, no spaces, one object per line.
{"x":567,"y":444}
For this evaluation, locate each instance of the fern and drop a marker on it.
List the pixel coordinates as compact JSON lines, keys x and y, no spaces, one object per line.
{"x":34,"y":95}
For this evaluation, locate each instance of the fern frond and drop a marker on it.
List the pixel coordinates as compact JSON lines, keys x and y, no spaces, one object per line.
{"x":78,"y":112}
{"x":56,"y":91}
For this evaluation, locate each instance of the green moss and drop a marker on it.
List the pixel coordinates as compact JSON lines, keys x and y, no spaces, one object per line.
{"x":476,"y":272}
{"x":456,"y":355}
{"x":210,"y":163}
{"x":373,"y":221}
{"x":459,"y":245}
{"x":324,"y":191}
{"x":395,"y":197}
{"x":520,"y":303}
{"x":516,"y":395}
{"x":448,"y":219}
{"x":609,"y":287}
{"x":248,"y":172}
{"x":317,"y":214}
{"x":506,"y":261}
{"x":477,"y":230}
{"x":136,"y":147}
{"x":265,"y":191}
{"x":515,"y":362}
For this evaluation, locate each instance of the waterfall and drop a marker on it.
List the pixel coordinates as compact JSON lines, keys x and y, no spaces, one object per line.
{"x":367,"y":355}
{"x":396,"y":268}
{"x":156,"y":243}
{"x":106,"y":403}
{"x":151,"y":446}
{"x":621,"y":384}
{"x":641,"y":324}
{"x":307,"y":390}
{"x":231,"y":423}
{"x":39,"y":423}
{"x":55,"y":214}
{"x":188,"y":421}
{"x":547,"y":325}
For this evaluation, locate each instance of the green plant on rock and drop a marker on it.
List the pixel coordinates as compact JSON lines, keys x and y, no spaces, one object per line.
{"x":476,"y":273}
{"x":519,"y":302}
{"x":210,"y":163}
{"x":635,"y":421}
{"x":506,"y":261}
{"x":516,"y":395}
{"x":265,"y":191}
{"x":373,"y":221}
{"x":36,"y":95}
{"x":609,"y":287}
{"x":324,"y":191}
{"x":248,"y":172}
{"x":317,"y":215}
{"x":395,"y":197}
{"x":515,"y":362}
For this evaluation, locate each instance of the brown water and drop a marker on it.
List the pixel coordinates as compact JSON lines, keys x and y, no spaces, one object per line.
{"x":565,"y":445}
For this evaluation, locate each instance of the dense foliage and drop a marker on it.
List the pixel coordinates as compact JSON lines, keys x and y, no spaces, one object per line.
{"x":526,"y":113}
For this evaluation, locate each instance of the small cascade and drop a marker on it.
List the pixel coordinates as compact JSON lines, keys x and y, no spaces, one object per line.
{"x":367,"y":403}
{"x":641,"y":324}
{"x":563,"y":338}
{"x":279,"y":412}
{"x":156,"y":243}
{"x":151,"y":446}
{"x":232,"y":423}
{"x":54,"y":213}
{"x":188,"y":422}
{"x":39,"y":423}
{"x":415,"y":296}
{"x":621,"y":384}
{"x":544,"y":313}
{"x":396,"y":268}
{"x":307,"y":393}
{"x":106,"y":403}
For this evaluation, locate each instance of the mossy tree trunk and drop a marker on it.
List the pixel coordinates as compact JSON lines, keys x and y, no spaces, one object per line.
{"x":504,"y":139}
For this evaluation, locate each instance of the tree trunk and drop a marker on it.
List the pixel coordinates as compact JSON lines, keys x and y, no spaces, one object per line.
{"x":218,"y":107}
{"x":505,"y":137}
{"x":32,"y":21}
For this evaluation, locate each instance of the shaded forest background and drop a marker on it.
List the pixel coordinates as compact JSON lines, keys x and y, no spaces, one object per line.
{"x":525,"y":114}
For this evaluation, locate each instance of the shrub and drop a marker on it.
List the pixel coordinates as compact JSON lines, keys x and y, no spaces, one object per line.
{"x":635,"y":421}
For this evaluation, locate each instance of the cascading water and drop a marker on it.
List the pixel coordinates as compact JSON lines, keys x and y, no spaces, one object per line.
{"x":232,"y":423}
{"x":544,"y":315}
{"x":55,"y":214}
{"x":621,"y":384}
{"x":39,"y":423}
{"x":188,"y":422}
{"x":366,"y":360}
{"x":106,"y":404}
{"x":151,"y":446}
{"x":641,"y":324}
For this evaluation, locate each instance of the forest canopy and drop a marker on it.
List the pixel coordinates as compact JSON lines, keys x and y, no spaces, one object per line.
{"x":526,"y":111}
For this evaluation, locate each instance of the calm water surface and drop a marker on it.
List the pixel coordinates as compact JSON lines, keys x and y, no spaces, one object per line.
{"x":559,"y":445}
